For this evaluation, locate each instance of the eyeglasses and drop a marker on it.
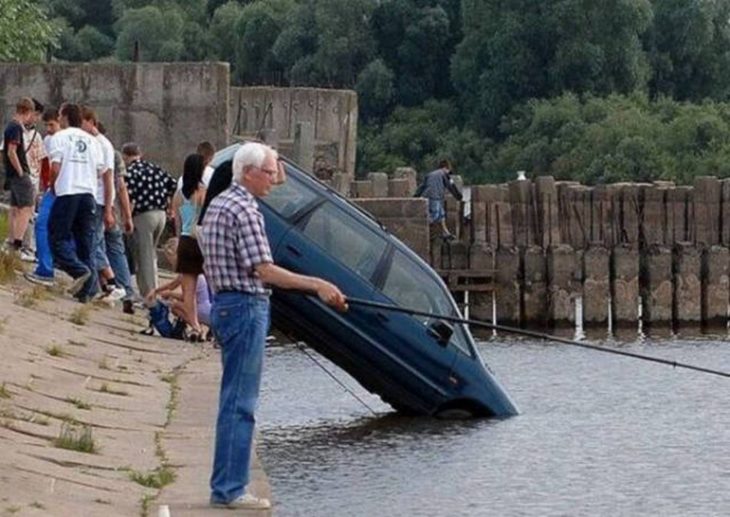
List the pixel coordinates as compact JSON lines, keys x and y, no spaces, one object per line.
{"x":270,"y":172}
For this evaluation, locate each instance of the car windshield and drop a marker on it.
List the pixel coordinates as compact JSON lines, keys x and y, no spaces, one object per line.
{"x":289,"y":197}
{"x":411,"y":287}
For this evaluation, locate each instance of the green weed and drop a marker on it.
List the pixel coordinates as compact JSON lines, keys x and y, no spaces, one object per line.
{"x":80,"y":315}
{"x":158,"y":478}
{"x":4,"y":392}
{"x":80,"y":404}
{"x":76,"y":438}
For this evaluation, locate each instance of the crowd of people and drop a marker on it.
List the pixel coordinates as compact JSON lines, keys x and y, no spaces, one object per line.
{"x":79,"y":205}
{"x":100,"y":216}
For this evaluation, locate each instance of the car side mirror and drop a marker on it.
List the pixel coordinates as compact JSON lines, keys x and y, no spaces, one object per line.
{"x":441,"y":331}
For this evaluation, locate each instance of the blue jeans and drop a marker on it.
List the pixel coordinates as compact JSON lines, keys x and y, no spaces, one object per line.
{"x":71,"y":230}
{"x":436,"y":212}
{"x":240,"y":323}
{"x":42,"y":244}
{"x":117,"y":255}
{"x":99,"y":250}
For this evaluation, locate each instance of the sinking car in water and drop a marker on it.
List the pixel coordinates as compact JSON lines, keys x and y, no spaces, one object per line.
{"x":417,"y":364}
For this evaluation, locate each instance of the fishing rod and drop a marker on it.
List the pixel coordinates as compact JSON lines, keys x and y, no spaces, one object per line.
{"x":300,"y":346}
{"x":533,"y":334}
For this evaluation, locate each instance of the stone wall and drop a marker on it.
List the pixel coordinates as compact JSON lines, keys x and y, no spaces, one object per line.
{"x":331,"y":113}
{"x":656,"y":252}
{"x":406,"y":218}
{"x":168,"y":108}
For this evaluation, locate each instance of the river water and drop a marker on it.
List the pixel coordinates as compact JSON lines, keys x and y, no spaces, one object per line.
{"x":597,"y":435}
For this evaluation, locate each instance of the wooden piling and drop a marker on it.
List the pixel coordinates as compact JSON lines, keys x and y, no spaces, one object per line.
{"x":687,"y":299}
{"x":534,"y":292}
{"x":625,"y":286}
{"x":656,"y":286}
{"x":507,"y":287}
{"x":715,"y":286}
{"x":596,"y":286}
{"x":561,"y":266}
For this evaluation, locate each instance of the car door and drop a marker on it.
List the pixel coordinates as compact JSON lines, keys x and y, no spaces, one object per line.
{"x":406,"y":284}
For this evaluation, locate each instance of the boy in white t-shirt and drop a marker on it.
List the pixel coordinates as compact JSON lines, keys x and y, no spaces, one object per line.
{"x":106,"y":224}
{"x":76,"y":163}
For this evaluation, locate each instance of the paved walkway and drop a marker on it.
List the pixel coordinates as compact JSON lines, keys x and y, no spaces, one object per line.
{"x":71,"y":369}
{"x":188,"y":441}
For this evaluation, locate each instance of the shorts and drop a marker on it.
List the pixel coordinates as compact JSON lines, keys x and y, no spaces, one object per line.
{"x":22,"y":193}
{"x":189,"y":256}
{"x":436,"y":212}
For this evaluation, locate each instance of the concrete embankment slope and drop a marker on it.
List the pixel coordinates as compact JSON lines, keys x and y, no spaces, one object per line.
{"x":75,"y":378}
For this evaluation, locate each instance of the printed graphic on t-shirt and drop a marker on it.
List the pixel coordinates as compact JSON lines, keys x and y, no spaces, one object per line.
{"x":79,"y":150}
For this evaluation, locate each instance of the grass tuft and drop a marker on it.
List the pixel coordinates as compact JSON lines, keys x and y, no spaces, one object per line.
{"x":80,"y":315}
{"x":80,"y":404}
{"x":105,"y":388}
{"x":4,"y":392}
{"x":9,"y":264}
{"x":56,"y":351}
{"x":76,"y":438}
{"x":158,"y":478}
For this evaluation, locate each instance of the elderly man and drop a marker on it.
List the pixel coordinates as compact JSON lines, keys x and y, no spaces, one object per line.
{"x":239,"y":266}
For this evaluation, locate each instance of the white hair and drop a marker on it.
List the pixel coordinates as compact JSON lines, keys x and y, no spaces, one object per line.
{"x":250,"y":154}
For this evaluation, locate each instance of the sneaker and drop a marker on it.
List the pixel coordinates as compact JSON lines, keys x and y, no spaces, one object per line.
{"x":245,"y":502}
{"x":78,"y":283}
{"x":115,"y":294}
{"x":127,"y":307}
{"x":38,"y":279}
{"x":26,"y":255}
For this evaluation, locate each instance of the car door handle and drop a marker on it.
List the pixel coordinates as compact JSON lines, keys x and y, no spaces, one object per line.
{"x":293,"y":250}
{"x":382,"y":317}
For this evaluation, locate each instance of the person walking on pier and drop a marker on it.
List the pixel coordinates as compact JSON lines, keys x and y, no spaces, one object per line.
{"x":434,"y":187}
{"x":239,"y":267}
{"x":150,"y":191}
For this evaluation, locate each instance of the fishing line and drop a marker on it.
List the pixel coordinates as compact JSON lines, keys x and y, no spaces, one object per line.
{"x":301,"y":347}
{"x":530,"y":333}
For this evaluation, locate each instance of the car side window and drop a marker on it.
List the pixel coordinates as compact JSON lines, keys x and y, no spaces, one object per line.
{"x":346,"y":239}
{"x":410,"y":287}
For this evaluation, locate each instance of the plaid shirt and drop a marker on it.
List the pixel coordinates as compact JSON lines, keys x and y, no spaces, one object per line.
{"x":233,"y":241}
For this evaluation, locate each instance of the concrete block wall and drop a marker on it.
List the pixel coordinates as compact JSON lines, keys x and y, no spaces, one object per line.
{"x":650,"y":251}
{"x":168,"y":108}
{"x":406,"y":218}
{"x":332,"y":114}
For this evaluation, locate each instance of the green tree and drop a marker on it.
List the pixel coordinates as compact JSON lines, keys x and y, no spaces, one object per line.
{"x":159,"y":34}
{"x":344,"y":42}
{"x":297,"y":43}
{"x":416,"y":42}
{"x":255,"y":33}
{"x":222,"y":27}
{"x":523,"y":49}
{"x":689,"y":49}
{"x":26,"y":33}
{"x":375,"y":89}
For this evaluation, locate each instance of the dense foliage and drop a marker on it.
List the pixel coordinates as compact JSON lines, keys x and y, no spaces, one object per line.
{"x":593,"y":90}
{"x":25,"y":31}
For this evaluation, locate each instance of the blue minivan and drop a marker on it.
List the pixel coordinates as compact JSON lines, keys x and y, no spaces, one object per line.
{"x":405,"y":359}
